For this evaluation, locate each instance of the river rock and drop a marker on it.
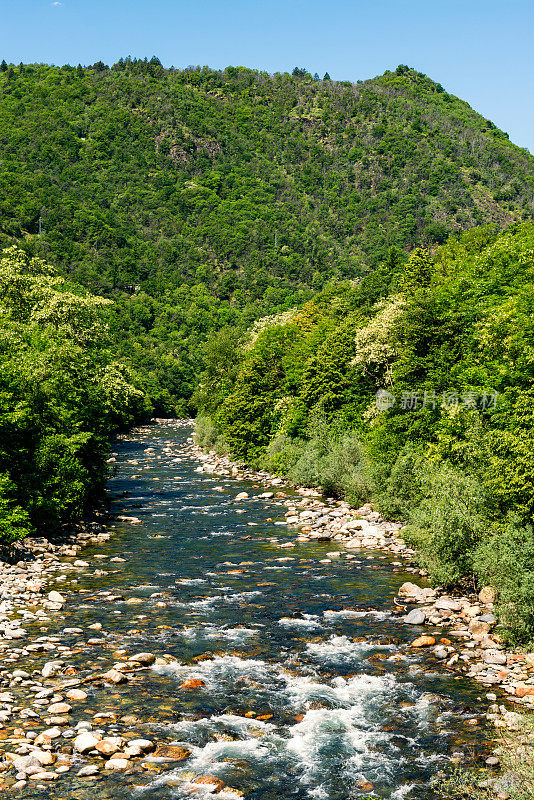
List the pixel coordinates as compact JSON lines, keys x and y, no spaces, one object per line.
{"x":494,"y":657}
{"x":44,"y":776}
{"x":76,"y":694}
{"x":353,"y":543}
{"x":86,"y":741}
{"x":59,"y":708}
{"x":208,"y":781}
{"x":172,"y":752}
{"x":114,"y":676}
{"x":423,"y":641}
{"x":448,"y":604}
{"x":107,"y":747}
{"x":45,"y":757}
{"x":411,"y":590}
{"x":192,"y":683}
{"x":479,"y":628}
{"x":146,"y":659}
{"x":523,"y":691}
{"x":27,"y":764}
{"x":52,"y":668}
{"x":56,"y":597}
{"x":137,"y":747}
{"x":87,"y":771}
{"x":416,"y":617}
{"x":117,"y":763}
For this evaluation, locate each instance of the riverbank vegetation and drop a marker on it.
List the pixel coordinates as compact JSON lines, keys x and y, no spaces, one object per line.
{"x":516,"y":779}
{"x":414,"y":391}
{"x":62,"y":393}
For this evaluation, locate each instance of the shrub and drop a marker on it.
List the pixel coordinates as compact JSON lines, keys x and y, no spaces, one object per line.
{"x":282,"y":454}
{"x":402,"y":492}
{"x":505,"y":559}
{"x":448,"y":523}
{"x":14,"y":521}
{"x":333,"y":461}
{"x":206,"y":432}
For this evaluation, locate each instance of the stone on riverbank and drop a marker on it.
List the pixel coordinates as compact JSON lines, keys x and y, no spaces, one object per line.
{"x":416,"y":617}
{"x":423,"y":641}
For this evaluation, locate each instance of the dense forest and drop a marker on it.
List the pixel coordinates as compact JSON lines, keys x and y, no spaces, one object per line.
{"x":338,"y":277}
{"x":421,"y":401}
{"x":199,"y":199}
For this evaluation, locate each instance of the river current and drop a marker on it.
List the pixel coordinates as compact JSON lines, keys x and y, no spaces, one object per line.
{"x":311,"y":689}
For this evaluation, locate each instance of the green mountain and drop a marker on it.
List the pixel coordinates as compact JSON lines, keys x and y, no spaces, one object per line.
{"x":199,"y":199}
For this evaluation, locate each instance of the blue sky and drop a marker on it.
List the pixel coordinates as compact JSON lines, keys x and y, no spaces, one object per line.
{"x":479,"y":51}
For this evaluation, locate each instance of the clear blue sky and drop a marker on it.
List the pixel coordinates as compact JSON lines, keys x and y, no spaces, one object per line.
{"x":480,"y":51}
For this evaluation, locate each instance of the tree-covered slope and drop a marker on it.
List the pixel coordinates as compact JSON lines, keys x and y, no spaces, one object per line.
{"x":199,"y":198}
{"x":422,"y":402}
{"x":62,"y":394}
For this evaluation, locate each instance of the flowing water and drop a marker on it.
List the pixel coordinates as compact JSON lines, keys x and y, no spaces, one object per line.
{"x":313,"y":648}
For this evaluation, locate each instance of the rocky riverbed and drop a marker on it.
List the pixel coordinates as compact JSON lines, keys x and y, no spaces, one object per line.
{"x":472,"y":645}
{"x":115,"y":674}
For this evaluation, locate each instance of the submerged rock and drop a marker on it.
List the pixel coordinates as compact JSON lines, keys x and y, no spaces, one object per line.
{"x":172,"y":752}
{"x":192,"y":683}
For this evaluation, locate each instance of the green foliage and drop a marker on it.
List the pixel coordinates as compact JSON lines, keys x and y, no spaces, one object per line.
{"x":448,"y":523}
{"x":402,"y":491}
{"x":198,"y":199}
{"x":206,"y":432}
{"x":61,"y":396}
{"x":505,"y":558}
{"x":450,"y":337}
{"x":334,"y":462}
{"x":14,"y":520}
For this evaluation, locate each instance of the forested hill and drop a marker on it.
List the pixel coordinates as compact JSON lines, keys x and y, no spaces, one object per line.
{"x":198,"y":199}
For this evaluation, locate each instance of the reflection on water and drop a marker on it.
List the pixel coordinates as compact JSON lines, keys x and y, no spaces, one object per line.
{"x":308,"y":690}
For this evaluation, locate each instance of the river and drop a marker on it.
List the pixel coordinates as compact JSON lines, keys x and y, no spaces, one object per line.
{"x":310,"y":688}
